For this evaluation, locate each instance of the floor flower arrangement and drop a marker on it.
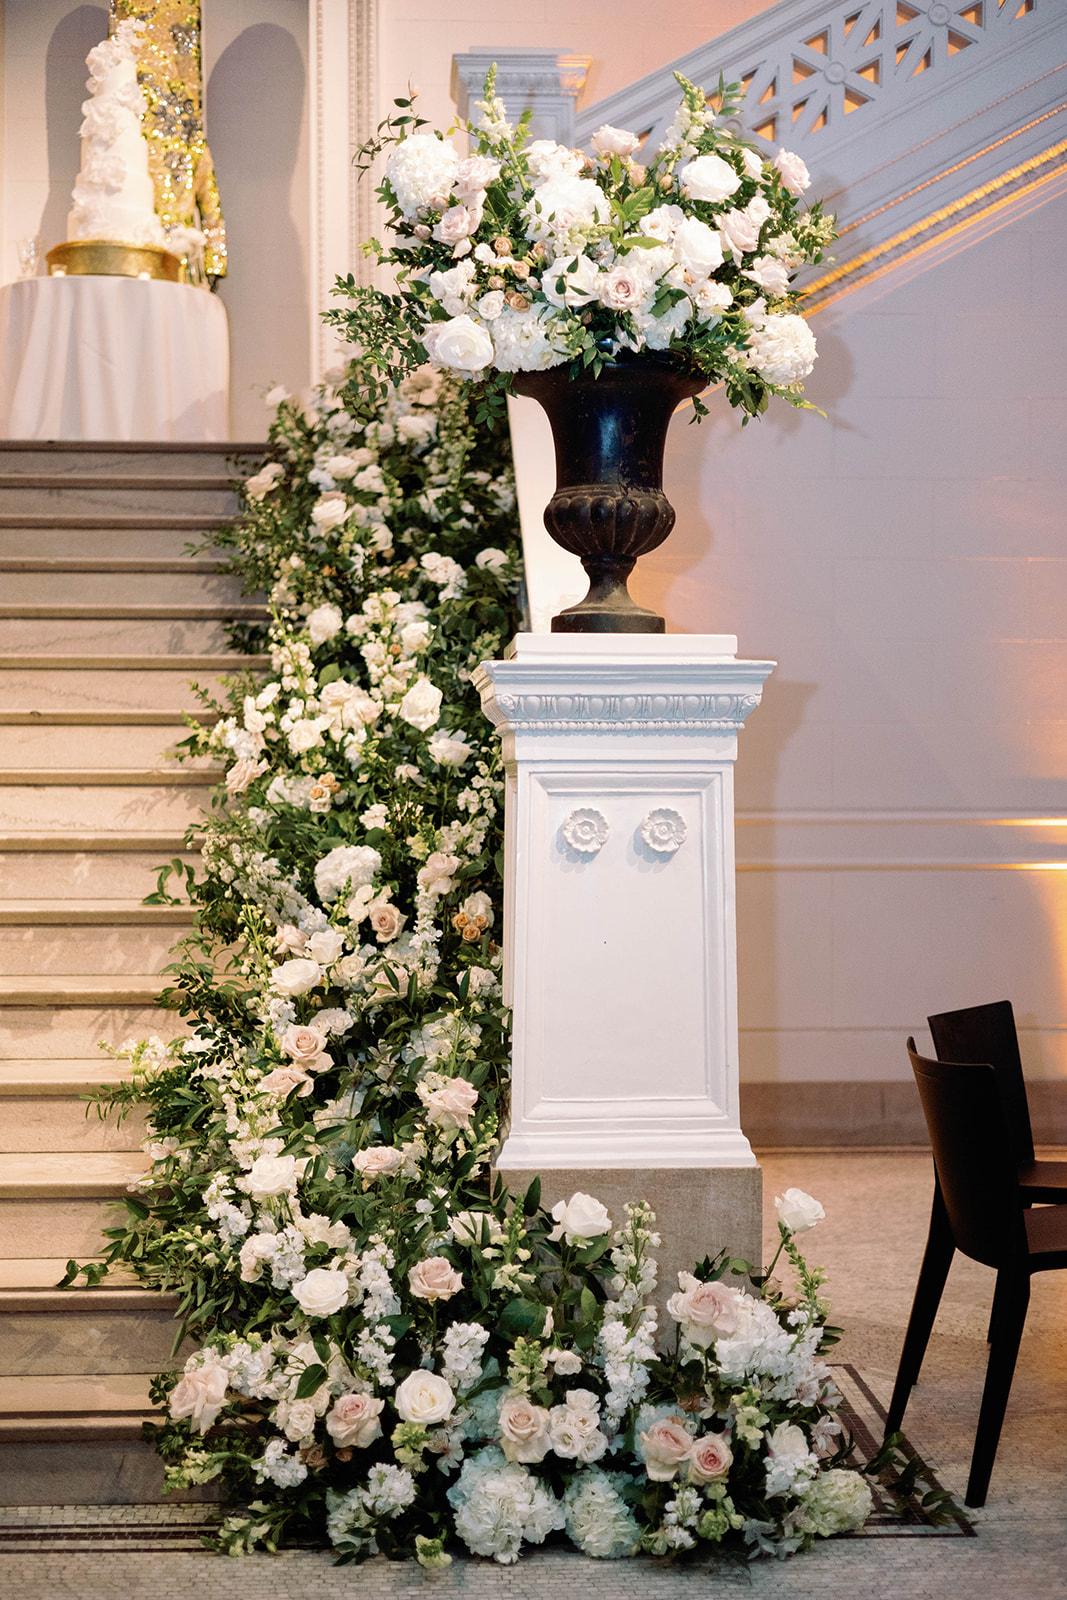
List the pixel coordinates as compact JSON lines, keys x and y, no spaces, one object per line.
{"x":391,"y":1352}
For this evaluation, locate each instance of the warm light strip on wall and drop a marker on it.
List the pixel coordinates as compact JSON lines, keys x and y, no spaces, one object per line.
{"x":809,"y":308}
{"x":947,"y":172}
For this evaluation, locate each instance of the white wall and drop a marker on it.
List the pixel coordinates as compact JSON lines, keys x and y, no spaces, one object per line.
{"x":625,"y":39}
{"x":903,"y":559}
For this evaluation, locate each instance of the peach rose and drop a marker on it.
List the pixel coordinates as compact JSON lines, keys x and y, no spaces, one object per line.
{"x":434,"y":1279}
{"x":243,"y":773}
{"x":354,"y":1420}
{"x":665,"y":1446}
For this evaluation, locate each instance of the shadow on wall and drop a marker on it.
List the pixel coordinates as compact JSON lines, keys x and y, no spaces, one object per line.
{"x":255,"y":106}
{"x":65,"y":92}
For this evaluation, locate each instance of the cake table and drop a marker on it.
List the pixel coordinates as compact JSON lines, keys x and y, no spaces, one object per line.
{"x":104,"y":358}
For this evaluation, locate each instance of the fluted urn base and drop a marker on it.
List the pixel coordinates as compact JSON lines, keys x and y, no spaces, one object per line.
{"x":609,"y":507}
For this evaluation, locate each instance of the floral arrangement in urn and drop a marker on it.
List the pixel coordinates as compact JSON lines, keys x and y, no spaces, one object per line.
{"x":526,"y":255}
{"x":392,"y":1353}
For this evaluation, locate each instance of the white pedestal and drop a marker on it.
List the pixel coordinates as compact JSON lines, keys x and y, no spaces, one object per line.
{"x":620,"y":958}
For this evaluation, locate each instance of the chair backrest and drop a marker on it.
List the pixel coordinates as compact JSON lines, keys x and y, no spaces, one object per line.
{"x":976,"y":1173}
{"x":986,"y":1034}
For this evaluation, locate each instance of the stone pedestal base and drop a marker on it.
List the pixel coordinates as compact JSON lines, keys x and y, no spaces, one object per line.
{"x":699,"y":1210}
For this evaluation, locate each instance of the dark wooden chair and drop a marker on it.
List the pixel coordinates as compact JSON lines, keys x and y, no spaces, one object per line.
{"x":978,"y":1210}
{"x":987,"y":1034}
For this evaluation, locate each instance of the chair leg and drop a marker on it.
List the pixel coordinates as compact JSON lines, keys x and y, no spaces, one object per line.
{"x":1010,"y":1301}
{"x":937,"y":1259}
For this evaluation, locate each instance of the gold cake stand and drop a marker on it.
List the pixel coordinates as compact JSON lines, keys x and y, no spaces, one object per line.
{"x":106,"y":258}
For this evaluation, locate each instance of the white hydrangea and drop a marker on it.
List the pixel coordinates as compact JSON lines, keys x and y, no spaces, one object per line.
{"x":499,"y":1505}
{"x":354,"y":865}
{"x":780,"y":348}
{"x":422,"y":168}
{"x":598,"y":1519}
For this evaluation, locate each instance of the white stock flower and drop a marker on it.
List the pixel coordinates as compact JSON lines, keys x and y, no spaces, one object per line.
{"x":450,"y":749}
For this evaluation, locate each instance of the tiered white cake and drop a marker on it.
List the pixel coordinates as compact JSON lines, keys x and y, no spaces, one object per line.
{"x":113,"y":196}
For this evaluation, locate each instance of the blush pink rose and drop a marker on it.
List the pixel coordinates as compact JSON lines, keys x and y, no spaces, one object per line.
{"x":378,"y":1161}
{"x":795,"y":175}
{"x":451,"y":1105}
{"x":303,"y":1042}
{"x":385,"y":920}
{"x":665,"y":1446}
{"x":243,"y":773}
{"x":621,"y":289}
{"x":705,"y":1310}
{"x":434,"y":1279}
{"x":283,"y":1080}
{"x":523,"y":1430}
{"x":353,"y":1421}
{"x":200,"y":1395}
{"x":710,"y":1458}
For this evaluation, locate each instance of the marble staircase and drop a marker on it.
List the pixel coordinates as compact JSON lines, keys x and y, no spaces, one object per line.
{"x":104,"y":620}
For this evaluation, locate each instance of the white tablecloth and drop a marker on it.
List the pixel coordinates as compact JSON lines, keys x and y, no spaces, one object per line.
{"x":112,"y":358}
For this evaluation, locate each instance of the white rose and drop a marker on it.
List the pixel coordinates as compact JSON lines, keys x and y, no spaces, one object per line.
{"x":609,"y":141}
{"x":424,"y":1398}
{"x":797,"y":1211}
{"x":305,"y":734}
{"x":491,"y":559}
{"x":415,"y":636}
{"x":271,"y":1175}
{"x":296,"y":977}
{"x":450,"y":749}
{"x":490,"y":305}
{"x":377,"y":1161}
{"x":329,"y":511}
{"x":709,"y":178}
{"x":573,"y":282}
{"x":322,"y":1292}
{"x":421,"y":706}
{"x":325,"y":946}
{"x":523,"y":1430}
{"x":697,"y":247}
{"x":436,"y":876}
{"x":580,"y":1219}
{"x":451,"y":1105}
{"x":462,"y":344}
{"x":324,"y":622}
{"x":770,"y":274}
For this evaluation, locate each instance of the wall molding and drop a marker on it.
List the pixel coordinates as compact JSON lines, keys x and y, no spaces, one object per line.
{"x":343,"y":91}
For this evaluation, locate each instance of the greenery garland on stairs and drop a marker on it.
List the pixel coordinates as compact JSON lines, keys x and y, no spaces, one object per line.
{"x":391,"y":1352}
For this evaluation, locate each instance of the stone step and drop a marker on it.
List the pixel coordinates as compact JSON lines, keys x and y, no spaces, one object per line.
{"x":49,"y":1124}
{"x":66,"y":1198}
{"x":86,"y":939}
{"x":56,"y":1022}
{"x":22,"y":991}
{"x":61,"y":1407}
{"x":148,"y":596}
{"x":141,"y":458}
{"x":85,"y":497}
{"x":116,"y":683}
{"x":87,"y":1332}
{"x":61,"y":1079}
{"x":109,"y":539}
{"x":98,"y":870}
{"x":113,"y":564}
{"x":181,"y":636}
{"x":42,"y":741}
{"x":42,"y":801}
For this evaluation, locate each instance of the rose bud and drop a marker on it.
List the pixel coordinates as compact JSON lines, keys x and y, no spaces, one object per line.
{"x":421,"y":231}
{"x":520,"y":269}
{"x":517,"y":301}
{"x":502,"y":246}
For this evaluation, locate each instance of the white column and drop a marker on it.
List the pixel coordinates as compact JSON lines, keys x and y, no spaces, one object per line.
{"x":546,"y":82}
{"x":619,"y":931}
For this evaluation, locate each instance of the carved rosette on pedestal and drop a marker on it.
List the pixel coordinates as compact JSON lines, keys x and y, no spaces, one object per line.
{"x":619,"y":905}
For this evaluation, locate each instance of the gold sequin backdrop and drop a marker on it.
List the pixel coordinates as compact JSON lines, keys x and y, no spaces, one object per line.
{"x":169,"y":72}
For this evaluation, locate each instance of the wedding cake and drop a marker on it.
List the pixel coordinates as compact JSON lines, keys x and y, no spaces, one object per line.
{"x":113,"y":196}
